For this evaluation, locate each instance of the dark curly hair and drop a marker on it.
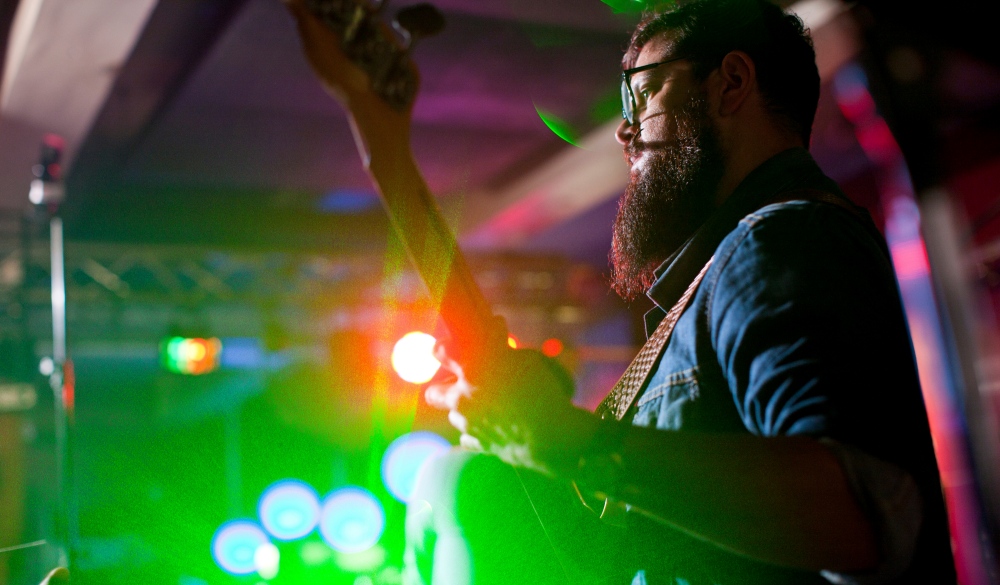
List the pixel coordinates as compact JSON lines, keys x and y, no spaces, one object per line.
{"x":780,"y":46}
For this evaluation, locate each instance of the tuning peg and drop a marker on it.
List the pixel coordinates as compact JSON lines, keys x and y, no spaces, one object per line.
{"x":418,"y":22}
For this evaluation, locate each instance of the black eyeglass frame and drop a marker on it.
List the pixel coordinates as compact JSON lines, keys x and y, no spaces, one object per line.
{"x":628,"y":97}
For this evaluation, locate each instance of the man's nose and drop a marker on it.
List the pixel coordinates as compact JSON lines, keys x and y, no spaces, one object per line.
{"x":624,"y":132}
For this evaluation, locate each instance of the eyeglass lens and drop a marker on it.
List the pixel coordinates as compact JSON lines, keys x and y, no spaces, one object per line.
{"x":629,"y":105}
{"x":627,"y":109}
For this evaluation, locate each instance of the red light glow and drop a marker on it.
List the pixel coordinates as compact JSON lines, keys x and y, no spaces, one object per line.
{"x":552,"y":347}
{"x":910,"y":259}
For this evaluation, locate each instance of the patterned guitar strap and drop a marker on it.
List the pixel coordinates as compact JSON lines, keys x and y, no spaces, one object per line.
{"x":620,"y":399}
{"x":618,"y":402}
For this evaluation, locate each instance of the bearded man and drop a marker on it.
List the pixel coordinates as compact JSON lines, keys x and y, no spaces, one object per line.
{"x":772,"y":428}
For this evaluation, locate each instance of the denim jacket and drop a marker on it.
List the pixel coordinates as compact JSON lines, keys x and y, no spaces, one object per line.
{"x":798,"y":329}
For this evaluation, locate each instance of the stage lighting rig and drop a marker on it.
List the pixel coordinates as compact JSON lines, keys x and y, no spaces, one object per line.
{"x":47,"y":187}
{"x":192,"y":356}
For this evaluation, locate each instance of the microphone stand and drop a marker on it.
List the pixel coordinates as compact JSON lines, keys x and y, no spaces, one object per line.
{"x":47,"y":190}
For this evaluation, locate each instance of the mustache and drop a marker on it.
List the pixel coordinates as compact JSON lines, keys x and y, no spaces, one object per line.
{"x":636,"y":147}
{"x":636,"y":144}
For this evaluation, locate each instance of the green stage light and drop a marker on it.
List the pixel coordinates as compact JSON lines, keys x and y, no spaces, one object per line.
{"x":191,"y":355}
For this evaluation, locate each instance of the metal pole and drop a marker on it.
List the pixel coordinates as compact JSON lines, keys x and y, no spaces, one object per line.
{"x":62,"y":394}
{"x":47,"y":190}
{"x":58,"y":292}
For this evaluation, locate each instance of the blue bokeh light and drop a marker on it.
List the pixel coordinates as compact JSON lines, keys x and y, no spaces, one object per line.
{"x":404,"y":459}
{"x":352,"y":519}
{"x":289,"y":509}
{"x":234,"y":545}
{"x":348,"y":201}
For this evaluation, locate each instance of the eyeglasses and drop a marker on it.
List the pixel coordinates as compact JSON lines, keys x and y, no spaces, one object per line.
{"x":628,"y":97}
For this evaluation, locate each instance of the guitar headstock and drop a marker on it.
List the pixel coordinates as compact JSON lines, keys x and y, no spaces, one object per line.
{"x":382,"y":54}
{"x":365,"y":64}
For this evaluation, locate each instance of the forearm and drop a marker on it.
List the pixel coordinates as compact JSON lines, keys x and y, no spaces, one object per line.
{"x":782,"y":500}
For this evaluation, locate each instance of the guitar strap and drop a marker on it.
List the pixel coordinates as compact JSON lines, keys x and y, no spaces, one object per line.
{"x":621,"y":398}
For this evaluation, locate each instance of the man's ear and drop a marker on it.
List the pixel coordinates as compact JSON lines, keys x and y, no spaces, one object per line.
{"x":737,"y":79}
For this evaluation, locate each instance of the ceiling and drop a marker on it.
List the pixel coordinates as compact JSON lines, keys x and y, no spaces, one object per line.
{"x":199,"y":121}
{"x":210,"y":127}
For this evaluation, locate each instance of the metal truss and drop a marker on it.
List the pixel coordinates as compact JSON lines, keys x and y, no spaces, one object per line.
{"x":126,"y":291}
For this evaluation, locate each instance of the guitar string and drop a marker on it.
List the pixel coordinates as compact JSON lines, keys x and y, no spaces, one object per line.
{"x":545,"y":531}
{"x":23,"y":546}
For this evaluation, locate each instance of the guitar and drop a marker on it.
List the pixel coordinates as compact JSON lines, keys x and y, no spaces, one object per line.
{"x":366,"y":66}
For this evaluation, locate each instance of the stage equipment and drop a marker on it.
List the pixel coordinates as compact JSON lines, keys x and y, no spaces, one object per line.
{"x":191,"y":355}
{"x":47,"y":188}
{"x":47,"y":191}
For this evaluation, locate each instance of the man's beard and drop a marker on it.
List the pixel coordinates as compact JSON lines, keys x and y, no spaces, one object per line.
{"x":666,"y":200}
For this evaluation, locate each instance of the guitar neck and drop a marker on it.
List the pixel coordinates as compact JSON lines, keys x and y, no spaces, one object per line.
{"x":364,"y":66}
{"x":432,"y":248}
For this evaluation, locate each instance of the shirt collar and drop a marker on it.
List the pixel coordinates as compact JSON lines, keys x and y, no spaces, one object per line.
{"x":788,"y":170}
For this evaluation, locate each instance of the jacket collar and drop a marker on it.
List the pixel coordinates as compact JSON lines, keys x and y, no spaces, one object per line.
{"x":789,"y":170}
